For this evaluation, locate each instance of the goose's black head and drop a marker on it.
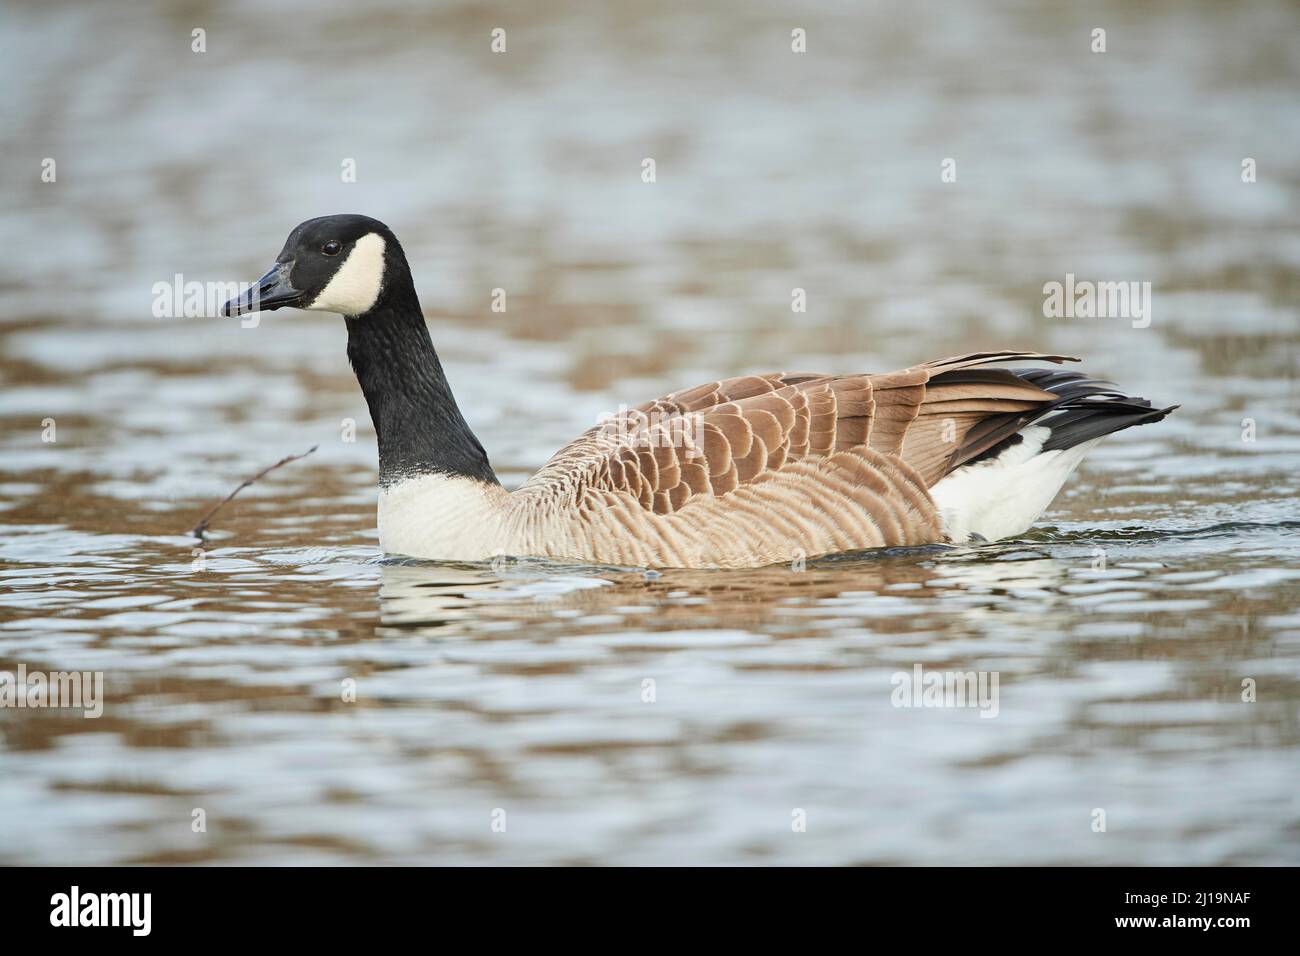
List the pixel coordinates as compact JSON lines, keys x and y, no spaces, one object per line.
{"x":354,"y":265}
{"x":346,"y":264}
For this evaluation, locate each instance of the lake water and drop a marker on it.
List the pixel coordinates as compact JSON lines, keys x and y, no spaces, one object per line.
{"x":1145,"y":636}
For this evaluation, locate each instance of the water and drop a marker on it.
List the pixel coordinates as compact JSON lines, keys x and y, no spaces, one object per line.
{"x":1121,"y":629}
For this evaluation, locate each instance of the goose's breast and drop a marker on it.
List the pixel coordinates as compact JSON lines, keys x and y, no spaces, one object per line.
{"x":442,"y":517}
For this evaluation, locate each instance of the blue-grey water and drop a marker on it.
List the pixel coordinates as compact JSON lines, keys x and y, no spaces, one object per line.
{"x":319,"y":704}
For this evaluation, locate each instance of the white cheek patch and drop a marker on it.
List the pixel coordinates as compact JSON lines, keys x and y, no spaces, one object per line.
{"x":354,"y":289}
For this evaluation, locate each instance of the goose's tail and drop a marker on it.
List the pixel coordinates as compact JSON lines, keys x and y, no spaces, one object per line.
{"x":1006,"y":489}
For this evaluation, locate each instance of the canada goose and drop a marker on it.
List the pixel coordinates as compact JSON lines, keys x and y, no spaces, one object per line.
{"x":743,"y":472}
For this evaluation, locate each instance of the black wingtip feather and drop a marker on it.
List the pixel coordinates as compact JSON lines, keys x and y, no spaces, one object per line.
{"x":1084,"y":408}
{"x":1085,"y":420}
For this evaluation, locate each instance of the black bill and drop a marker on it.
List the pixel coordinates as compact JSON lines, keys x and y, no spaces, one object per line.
{"x":272,"y":291}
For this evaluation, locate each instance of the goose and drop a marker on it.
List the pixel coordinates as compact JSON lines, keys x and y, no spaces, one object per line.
{"x":742,"y":472}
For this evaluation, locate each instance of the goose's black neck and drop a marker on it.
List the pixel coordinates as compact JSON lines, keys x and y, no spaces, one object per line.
{"x":420,"y":427}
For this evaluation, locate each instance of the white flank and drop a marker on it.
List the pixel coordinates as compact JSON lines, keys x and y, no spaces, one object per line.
{"x":1003,"y":496}
{"x":442,"y":518}
{"x":354,"y":289}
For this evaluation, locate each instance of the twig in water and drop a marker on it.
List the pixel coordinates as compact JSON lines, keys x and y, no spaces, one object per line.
{"x":202,"y":526}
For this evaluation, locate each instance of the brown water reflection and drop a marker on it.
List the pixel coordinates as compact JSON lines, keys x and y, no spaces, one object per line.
{"x":1121,"y":630}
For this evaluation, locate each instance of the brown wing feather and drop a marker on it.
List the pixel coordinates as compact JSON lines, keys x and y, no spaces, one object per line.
{"x":722,"y":436}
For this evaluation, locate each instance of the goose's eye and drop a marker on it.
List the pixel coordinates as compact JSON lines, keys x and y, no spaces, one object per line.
{"x":332,"y":247}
